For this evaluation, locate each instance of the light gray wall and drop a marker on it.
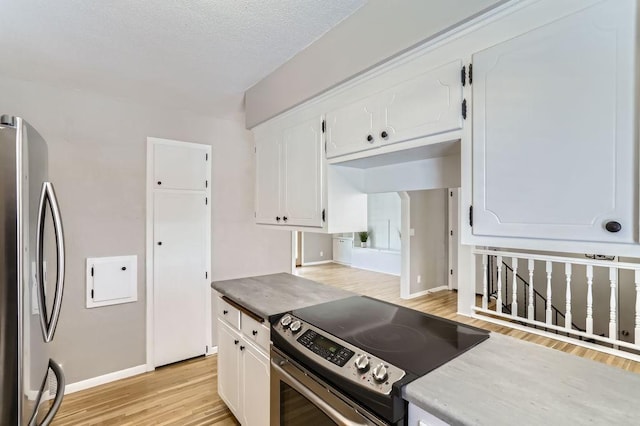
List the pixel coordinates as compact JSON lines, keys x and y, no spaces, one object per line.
{"x":429,"y":244}
{"x":97,"y":155}
{"x":378,"y":31}
{"x":313,"y":244}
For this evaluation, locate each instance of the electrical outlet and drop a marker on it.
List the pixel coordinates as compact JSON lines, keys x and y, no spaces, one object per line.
{"x":419,"y":279}
{"x":321,"y":254}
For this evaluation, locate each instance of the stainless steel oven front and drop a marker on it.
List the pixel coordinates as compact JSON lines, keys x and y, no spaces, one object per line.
{"x":298,"y":397}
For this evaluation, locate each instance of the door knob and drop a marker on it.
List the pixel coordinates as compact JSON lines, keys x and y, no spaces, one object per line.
{"x":613,"y":226}
{"x":159,"y":243}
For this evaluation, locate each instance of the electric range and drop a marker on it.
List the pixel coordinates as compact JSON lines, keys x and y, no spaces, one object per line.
{"x":365,"y":350}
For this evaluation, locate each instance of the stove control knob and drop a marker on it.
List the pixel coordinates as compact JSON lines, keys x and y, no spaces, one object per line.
{"x":285,"y":321}
{"x":379,"y":373}
{"x":295,"y":326}
{"x":362,"y":363}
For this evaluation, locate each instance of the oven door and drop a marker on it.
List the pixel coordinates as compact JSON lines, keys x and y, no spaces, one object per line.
{"x":300,"y":398}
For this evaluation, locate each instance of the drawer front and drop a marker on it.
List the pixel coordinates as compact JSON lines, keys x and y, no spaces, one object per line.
{"x":256,"y":332}
{"x":228,"y":313}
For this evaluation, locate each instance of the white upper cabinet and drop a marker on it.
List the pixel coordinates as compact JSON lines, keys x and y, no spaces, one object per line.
{"x":420,"y":106}
{"x":289,"y":174}
{"x":302,"y":169}
{"x":353,"y":128}
{"x":554,"y":148}
{"x":425,"y":105}
{"x":268,"y":176}
{"x":192,"y":173}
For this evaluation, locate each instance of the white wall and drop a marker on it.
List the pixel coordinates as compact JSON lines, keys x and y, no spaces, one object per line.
{"x":383,"y":221}
{"x":378,"y":31}
{"x":428,"y":250}
{"x":97,"y":162}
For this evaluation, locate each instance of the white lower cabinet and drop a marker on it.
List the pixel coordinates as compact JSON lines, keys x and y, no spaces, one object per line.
{"x":419,"y":417}
{"x":243,"y":375}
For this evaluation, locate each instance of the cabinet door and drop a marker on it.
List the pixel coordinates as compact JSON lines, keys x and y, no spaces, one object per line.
{"x":255,"y":386}
{"x":347,"y":249}
{"x":180,"y":167}
{"x":350,"y":128}
{"x":337,"y":254}
{"x":229,"y":367}
{"x":553,"y":129}
{"x":268,"y":176}
{"x":302,"y":156}
{"x":425,"y":105}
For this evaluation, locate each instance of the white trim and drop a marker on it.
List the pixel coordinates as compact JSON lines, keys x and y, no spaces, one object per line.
{"x":375,"y":270}
{"x":426,"y":292}
{"x":105,"y":378}
{"x":405,"y":245}
{"x":294,"y":249}
{"x":151,"y":142}
{"x":559,"y":337}
{"x":212,"y":351}
{"x":320,"y":262}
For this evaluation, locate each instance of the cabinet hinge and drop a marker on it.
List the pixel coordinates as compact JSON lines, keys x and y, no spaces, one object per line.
{"x":206,"y":349}
{"x":470,"y":215}
{"x":92,"y":293}
{"x":324,"y":126}
{"x":92,"y":271}
{"x":206,"y":274}
{"x":324,"y":215}
{"x":463,"y":76}
{"x":255,"y":214}
{"x":450,"y":271}
{"x":470,"y":74}
{"x":451,"y":232}
{"x":464,"y":109}
{"x":325,"y":147}
{"x":206,"y":157}
{"x":255,"y":150}
{"x":206,"y":183}
{"x":206,"y":201}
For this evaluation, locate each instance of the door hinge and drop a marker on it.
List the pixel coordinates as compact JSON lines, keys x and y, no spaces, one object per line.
{"x":471,"y":216}
{"x":206,"y":157}
{"x":206,"y":201}
{"x":450,"y":271}
{"x":255,"y":150}
{"x":463,"y":76}
{"x":464,"y":109}
{"x":324,"y":215}
{"x":206,"y":183}
{"x":92,"y":293}
{"x":206,"y":349}
{"x":255,"y":214}
{"x":470,"y":74}
{"x":450,"y":193}
{"x":451,"y":232}
{"x":324,"y":126}
{"x":92,"y":271}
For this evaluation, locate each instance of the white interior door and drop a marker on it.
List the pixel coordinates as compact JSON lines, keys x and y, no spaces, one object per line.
{"x":180,"y":270}
{"x":454,"y":238}
{"x":180,"y":167}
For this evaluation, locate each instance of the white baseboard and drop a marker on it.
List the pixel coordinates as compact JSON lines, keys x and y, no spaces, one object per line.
{"x":321,"y":262}
{"x":106,"y":378}
{"x":425,"y":292}
{"x":212,"y":351}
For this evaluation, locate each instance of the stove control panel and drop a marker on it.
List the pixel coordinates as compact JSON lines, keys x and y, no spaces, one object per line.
{"x":339,"y":356}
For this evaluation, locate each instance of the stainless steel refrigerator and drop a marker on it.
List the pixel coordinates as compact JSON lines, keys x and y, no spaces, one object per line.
{"x":31,"y":278}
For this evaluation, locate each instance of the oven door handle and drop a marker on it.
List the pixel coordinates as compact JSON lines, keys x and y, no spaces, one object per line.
{"x":334,"y":414}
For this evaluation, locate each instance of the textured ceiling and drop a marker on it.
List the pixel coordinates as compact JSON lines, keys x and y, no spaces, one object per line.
{"x":199,"y":55}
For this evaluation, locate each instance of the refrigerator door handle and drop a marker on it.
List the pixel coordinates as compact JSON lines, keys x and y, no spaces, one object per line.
{"x":49,"y":324}
{"x":55,"y":406}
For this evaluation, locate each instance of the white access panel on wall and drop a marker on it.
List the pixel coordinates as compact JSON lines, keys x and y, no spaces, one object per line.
{"x":553,"y":130}
{"x":111,"y":280}
{"x":191,"y":172}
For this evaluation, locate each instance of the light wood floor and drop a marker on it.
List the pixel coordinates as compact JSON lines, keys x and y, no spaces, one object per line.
{"x":185,"y":393}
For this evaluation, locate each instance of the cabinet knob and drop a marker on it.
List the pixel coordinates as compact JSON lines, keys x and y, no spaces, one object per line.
{"x":284,"y":218}
{"x":159,"y":243}
{"x":369,"y":138}
{"x":613,"y":226}
{"x":225,"y":312}
{"x":242,"y":348}
{"x":277,"y":218}
{"x":384,"y":135}
{"x":159,"y":183}
{"x":254,"y":332}
{"x":235,"y":342}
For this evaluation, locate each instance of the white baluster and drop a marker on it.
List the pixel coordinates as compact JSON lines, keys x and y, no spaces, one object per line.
{"x":637,"y":337}
{"x":514,"y":302}
{"x":589,"y":299}
{"x":531,"y":314}
{"x":613,"y":328}
{"x":549,"y":313}
{"x":499,"y":301}
{"x":484,"y":282}
{"x":567,"y":313}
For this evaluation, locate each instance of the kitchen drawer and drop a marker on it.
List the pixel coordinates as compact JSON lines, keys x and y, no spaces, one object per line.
{"x":228,"y":313}
{"x":255,"y":331}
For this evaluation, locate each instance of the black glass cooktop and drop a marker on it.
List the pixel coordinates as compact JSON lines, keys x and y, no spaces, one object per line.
{"x":408,"y":339}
